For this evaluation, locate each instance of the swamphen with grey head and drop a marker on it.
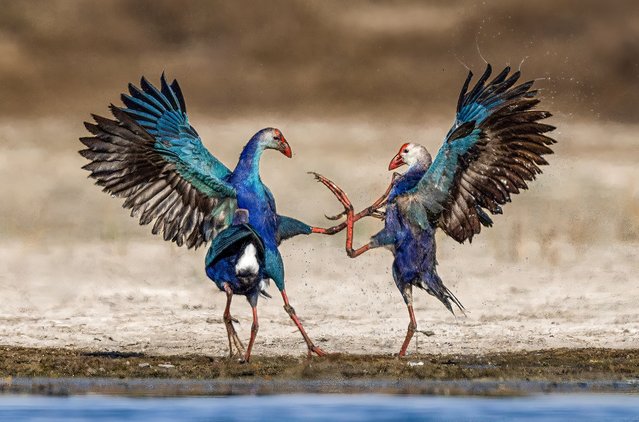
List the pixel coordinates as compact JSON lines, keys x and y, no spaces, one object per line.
{"x":495,"y":146}
{"x":153,"y":158}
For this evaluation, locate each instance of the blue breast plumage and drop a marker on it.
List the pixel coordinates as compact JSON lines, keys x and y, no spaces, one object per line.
{"x":413,"y":246}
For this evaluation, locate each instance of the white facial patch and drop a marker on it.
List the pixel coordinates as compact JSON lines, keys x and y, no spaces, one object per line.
{"x":247,"y":264}
{"x":416,"y":154}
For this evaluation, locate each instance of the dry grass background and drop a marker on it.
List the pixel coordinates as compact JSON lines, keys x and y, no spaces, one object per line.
{"x":347,"y":83}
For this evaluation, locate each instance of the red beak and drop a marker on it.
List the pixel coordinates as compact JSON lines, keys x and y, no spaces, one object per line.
{"x":397,"y":161}
{"x":285,"y":148}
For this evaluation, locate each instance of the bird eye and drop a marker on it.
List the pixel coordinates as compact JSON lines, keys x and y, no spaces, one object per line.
{"x":405,"y":151}
{"x":277,"y":138}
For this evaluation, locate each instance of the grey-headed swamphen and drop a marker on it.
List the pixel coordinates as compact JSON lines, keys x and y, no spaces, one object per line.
{"x":153,"y":158}
{"x":495,"y":146}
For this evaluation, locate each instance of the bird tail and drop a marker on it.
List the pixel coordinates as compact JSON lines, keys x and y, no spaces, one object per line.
{"x":434,"y":286}
{"x":264,"y":284}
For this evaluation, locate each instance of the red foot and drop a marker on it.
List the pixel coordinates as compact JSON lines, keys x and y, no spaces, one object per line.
{"x":319,"y":352}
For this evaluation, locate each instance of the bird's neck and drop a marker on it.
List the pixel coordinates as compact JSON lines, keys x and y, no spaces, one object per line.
{"x":418,"y":167}
{"x":249,"y":163}
{"x":408,"y":180}
{"x":414,"y":173}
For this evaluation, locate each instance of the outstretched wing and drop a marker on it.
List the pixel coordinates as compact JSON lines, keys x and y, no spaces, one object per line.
{"x":495,"y":146}
{"x":153,"y":158}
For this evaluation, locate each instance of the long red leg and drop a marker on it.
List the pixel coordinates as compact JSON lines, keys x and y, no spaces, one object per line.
{"x":412,"y":327}
{"x":228,"y":322}
{"x":254,"y":328}
{"x":370,"y":211}
{"x":312,"y":348}
{"x":350,"y":215}
{"x":353,"y":253}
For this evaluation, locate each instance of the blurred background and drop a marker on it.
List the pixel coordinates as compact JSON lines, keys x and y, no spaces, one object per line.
{"x":347,"y":82}
{"x":386,"y":59}
{"x":374,"y":64}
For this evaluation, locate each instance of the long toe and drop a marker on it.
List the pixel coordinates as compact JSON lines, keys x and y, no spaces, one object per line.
{"x":238,"y":344}
{"x":317,"y":350}
{"x":336,"y":190}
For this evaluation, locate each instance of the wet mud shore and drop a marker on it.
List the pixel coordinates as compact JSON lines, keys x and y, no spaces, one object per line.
{"x":66,"y":371}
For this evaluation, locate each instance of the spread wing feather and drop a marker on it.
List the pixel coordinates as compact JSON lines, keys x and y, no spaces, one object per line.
{"x":493,"y":150}
{"x":150,"y":156}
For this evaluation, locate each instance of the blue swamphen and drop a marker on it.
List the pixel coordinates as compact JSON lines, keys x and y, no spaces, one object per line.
{"x":495,"y":146}
{"x":153,"y":158}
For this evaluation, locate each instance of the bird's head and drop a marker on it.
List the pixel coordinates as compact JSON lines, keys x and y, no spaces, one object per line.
{"x":272,"y":138}
{"x":411,"y":154}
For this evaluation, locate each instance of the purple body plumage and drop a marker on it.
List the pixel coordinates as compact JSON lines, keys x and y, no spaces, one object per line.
{"x":413,"y":247}
{"x":152,"y":157}
{"x":493,"y":149}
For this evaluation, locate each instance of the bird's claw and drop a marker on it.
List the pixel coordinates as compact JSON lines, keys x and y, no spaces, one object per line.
{"x":381,"y":215}
{"x":337,"y":191}
{"x":335,"y":217}
{"x":234,"y":339}
{"x":317,"y":350}
{"x":238,"y":344}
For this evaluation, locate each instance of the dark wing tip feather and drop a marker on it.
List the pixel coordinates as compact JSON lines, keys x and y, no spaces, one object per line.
{"x":175,"y":86}
{"x":133,"y":90}
{"x":507,"y":154}
{"x":501,"y":77}
{"x":87,"y":141}
{"x":168,"y":93}
{"x":151,"y":90}
{"x":144,"y":82}
{"x":484,"y":218}
{"x":98,"y":119}
{"x":91,"y":127}
{"x":512,"y":79}
{"x":127,"y":101}
{"x":479,"y":85}
{"x":462,"y":93}
{"x":119,"y":113}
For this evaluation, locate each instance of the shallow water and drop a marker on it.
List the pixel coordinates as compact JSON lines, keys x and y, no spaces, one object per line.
{"x":583,"y":407}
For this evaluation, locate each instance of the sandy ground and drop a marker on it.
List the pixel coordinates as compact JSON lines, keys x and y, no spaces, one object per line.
{"x":559,"y":269}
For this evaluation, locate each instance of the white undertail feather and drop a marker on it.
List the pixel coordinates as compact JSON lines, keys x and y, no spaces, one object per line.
{"x":247,"y":264}
{"x":264,"y":284}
